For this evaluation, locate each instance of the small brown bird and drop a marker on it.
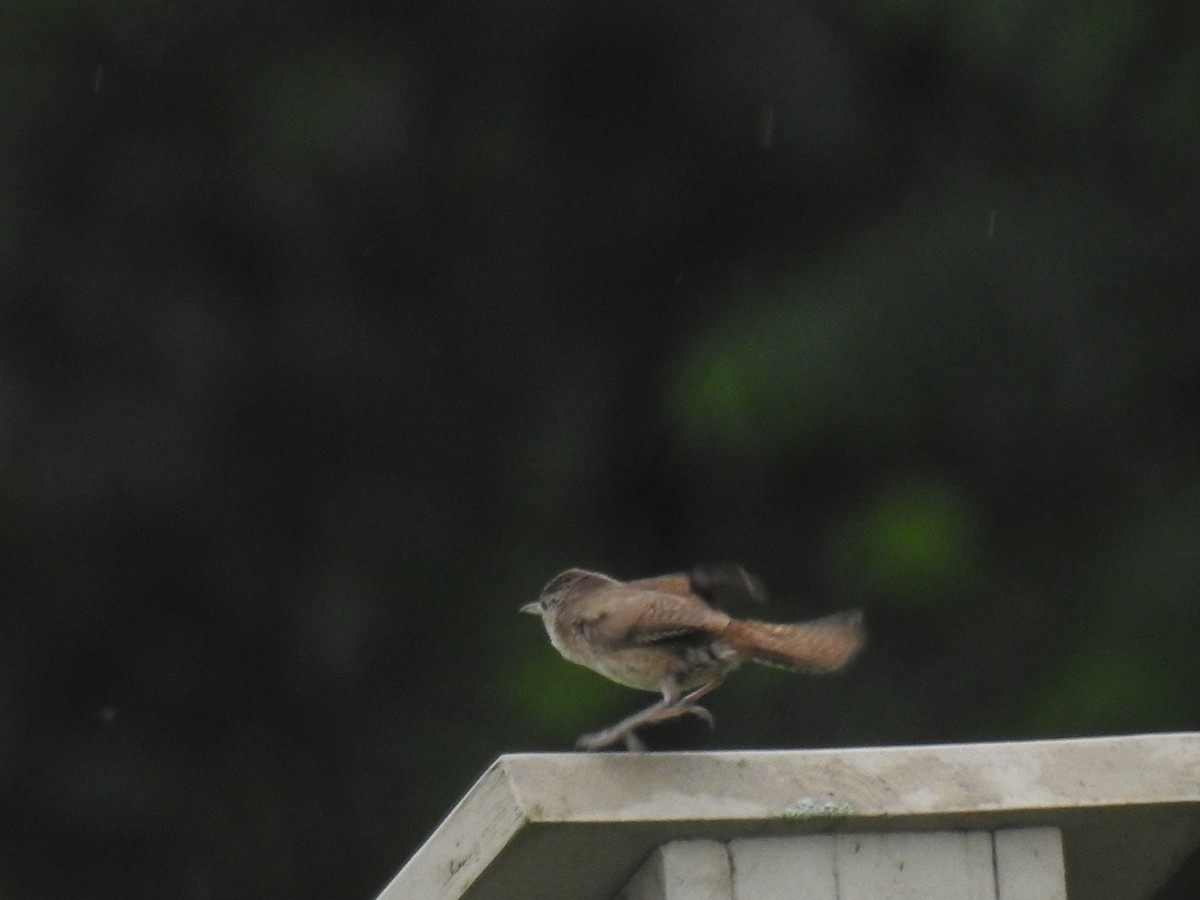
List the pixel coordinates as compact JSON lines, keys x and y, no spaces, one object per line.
{"x":660,"y":634}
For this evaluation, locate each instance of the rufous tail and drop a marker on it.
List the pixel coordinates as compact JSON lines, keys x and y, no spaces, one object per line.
{"x":822,"y":645}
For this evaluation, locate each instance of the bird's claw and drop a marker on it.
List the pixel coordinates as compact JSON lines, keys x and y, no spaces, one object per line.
{"x":589,"y":742}
{"x":699,"y":712}
{"x":599,"y":740}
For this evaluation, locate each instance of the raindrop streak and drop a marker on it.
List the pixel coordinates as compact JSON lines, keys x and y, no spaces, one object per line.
{"x":766,"y":132}
{"x":991,"y":226}
{"x":98,"y":78}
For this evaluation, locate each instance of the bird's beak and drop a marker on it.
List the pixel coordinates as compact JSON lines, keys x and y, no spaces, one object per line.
{"x":534,"y":608}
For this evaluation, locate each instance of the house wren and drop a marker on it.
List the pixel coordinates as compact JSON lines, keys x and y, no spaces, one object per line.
{"x":660,"y":634}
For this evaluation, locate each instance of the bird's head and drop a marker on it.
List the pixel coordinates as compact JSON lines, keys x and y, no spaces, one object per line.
{"x":562,"y":586}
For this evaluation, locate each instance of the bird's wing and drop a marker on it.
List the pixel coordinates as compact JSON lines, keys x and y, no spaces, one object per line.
{"x":654,"y":616}
{"x":676,"y":584}
{"x":720,"y":584}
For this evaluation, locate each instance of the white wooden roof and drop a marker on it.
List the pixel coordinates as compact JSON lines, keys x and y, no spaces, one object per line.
{"x":575,"y":826}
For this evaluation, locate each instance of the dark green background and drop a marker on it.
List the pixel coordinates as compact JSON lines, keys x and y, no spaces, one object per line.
{"x":330,"y":331}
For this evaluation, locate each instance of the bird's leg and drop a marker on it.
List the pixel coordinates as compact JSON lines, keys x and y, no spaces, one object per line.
{"x":623,"y":730}
{"x":672,"y":705}
{"x":687,"y":703}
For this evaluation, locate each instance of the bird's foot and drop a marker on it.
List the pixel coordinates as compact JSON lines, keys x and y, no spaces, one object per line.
{"x":600,"y":740}
{"x":625,"y":731}
{"x":684,"y":708}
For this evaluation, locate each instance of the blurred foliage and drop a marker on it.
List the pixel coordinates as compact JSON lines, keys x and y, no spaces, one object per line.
{"x":916,"y":543}
{"x":329,"y":333}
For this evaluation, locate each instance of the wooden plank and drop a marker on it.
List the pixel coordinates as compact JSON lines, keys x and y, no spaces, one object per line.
{"x":577,"y":826}
{"x":788,"y":868}
{"x":953,"y":865}
{"x":479,"y":828}
{"x":683,"y":870}
{"x":1012,"y":864}
{"x":1029,"y":864}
